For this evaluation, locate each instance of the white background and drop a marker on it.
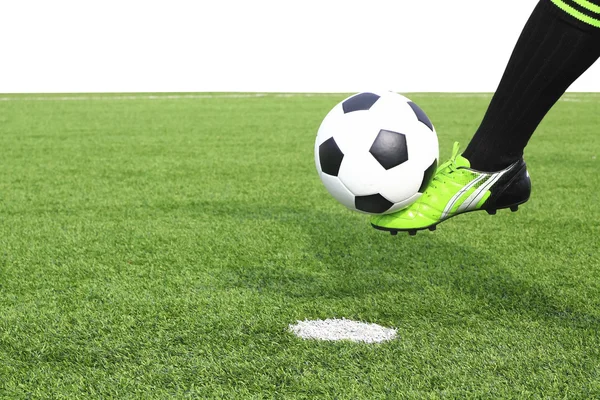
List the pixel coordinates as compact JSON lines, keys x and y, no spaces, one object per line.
{"x":260,"y":45}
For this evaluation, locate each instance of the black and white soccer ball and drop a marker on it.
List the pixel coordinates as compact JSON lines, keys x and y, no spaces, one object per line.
{"x":376,"y":152}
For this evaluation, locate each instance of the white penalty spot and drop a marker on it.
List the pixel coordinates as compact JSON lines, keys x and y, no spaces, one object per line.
{"x":342,"y":329}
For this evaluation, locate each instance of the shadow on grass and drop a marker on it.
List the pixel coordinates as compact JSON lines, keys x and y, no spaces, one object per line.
{"x":344,"y":259}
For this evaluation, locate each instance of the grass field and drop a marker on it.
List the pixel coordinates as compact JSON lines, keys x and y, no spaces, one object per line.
{"x":160,"y":247}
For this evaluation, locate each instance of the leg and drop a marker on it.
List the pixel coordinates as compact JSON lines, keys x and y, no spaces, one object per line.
{"x":558,"y":44}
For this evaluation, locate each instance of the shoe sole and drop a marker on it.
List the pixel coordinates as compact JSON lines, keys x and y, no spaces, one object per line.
{"x":413,"y":231}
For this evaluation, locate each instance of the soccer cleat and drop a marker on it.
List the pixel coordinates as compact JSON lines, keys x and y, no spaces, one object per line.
{"x":456,"y":188}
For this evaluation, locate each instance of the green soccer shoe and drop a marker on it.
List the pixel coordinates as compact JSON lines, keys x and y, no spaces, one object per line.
{"x":456,"y":189}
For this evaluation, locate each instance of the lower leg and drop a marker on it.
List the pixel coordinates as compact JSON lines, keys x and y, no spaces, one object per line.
{"x":554,"y":49}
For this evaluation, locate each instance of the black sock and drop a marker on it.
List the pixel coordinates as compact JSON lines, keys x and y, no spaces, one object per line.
{"x":554,"y":49}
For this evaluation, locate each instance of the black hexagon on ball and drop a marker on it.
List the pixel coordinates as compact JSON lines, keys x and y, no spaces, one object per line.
{"x":389,"y":148}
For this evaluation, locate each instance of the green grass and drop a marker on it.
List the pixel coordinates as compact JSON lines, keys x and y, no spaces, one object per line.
{"x":160,"y":248}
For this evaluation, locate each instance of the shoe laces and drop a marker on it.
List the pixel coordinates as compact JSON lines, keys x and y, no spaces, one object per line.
{"x":443,"y":172}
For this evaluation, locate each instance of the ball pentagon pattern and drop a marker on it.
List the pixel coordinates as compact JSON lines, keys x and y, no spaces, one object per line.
{"x":389,"y":148}
{"x":331,"y":157}
{"x":376,"y":152}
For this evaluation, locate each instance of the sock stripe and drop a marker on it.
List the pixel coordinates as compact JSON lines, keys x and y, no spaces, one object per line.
{"x":588,"y":6}
{"x":585,"y":7}
{"x":572,"y":11}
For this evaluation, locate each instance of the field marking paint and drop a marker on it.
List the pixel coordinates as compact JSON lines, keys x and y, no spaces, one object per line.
{"x":569,"y":97}
{"x":129,"y":97}
{"x":342,"y":329}
{"x":163,"y":97}
{"x":453,"y":95}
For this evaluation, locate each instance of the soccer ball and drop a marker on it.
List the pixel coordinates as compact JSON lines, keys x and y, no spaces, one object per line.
{"x":376,"y":152}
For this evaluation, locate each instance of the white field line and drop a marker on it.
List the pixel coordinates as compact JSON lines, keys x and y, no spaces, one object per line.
{"x":453,"y":95}
{"x":569,"y":97}
{"x":161,"y":97}
{"x":581,"y":97}
{"x":342,"y":329}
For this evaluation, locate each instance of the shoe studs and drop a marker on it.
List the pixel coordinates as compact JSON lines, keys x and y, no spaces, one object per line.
{"x":512,"y":208}
{"x":412,"y":232}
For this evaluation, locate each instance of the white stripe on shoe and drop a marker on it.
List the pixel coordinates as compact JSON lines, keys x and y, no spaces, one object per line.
{"x":471,"y":202}
{"x":457,"y":196}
